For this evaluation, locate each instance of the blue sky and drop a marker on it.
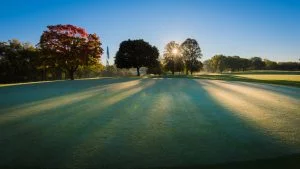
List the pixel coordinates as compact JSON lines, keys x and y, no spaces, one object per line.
{"x":266,"y":28}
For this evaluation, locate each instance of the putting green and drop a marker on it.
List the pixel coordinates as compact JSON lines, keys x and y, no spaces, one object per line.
{"x":144,"y":123}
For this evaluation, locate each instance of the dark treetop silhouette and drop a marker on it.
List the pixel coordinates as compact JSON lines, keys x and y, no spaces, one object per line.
{"x":137,"y":54}
{"x":191,"y":52}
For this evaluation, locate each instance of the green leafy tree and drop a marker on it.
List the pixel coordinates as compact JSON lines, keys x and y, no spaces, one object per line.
{"x":173,"y":60}
{"x":257,"y":63}
{"x":218,"y":63}
{"x":136,"y":54}
{"x":18,"y":61}
{"x":157,"y":69}
{"x":191,"y":53}
{"x":270,"y":65}
{"x":69,"y":47}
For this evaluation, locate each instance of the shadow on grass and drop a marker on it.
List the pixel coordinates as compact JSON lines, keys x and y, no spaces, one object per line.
{"x":137,"y":132}
{"x":57,"y":132}
{"x":22,"y":94}
{"x":289,"y":161}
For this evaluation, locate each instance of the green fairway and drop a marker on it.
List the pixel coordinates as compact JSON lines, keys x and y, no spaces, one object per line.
{"x":279,"y":79}
{"x":146,"y":123}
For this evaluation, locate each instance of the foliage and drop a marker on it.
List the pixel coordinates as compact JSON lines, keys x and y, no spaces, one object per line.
{"x":113,"y":71}
{"x":91,"y":71}
{"x":257,"y":63}
{"x":173,"y":60}
{"x":218,"y":63}
{"x":136,"y":54}
{"x":18,"y":62}
{"x":157,"y":69}
{"x":69,"y":47}
{"x":191,"y":52}
{"x":270,"y":65}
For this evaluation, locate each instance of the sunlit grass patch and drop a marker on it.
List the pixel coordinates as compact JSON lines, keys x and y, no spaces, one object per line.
{"x":272,"y":77}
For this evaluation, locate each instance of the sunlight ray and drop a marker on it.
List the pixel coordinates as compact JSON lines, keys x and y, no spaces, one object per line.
{"x":245,"y":104}
{"x":42,"y":106}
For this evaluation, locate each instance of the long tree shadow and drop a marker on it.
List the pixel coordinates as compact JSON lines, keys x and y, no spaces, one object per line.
{"x":42,"y":107}
{"x":175,"y":125}
{"x":60,"y":130}
{"x":23,"y":94}
{"x":36,"y":123}
{"x":167,"y":123}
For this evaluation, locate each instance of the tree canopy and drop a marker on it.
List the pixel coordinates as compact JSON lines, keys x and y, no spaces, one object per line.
{"x":136,"y":54}
{"x":69,"y":47}
{"x":173,"y":60}
{"x":191,"y":53}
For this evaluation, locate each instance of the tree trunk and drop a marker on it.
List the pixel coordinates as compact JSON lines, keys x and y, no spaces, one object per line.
{"x":173,"y":72}
{"x":71,"y":74}
{"x":138,"y":71}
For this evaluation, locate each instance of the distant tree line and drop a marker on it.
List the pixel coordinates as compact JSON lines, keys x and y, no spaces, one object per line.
{"x":68,"y":52}
{"x":221,"y":63}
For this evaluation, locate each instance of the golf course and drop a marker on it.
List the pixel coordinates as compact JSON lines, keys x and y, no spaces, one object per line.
{"x":146,"y":123}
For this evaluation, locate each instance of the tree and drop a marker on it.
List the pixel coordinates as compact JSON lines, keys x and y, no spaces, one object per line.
{"x":270,"y":65}
{"x":172,"y":58}
{"x":70,"y":46}
{"x":137,"y":54}
{"x":218,"y":63}
{"x":257,"y":63}
{"x":196,"y":66}
{"x":18,"y":61}
{"x":207,"y":66}
{"x":234,"y":63}
{"x":191,"y":52}
{"x":245,"y":63}
{"x":90,"y":71}
{"x":157,"y":69}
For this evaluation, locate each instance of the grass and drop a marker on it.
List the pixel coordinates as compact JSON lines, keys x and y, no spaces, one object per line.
{"x":278,"y":78}
{"x":288,"y":80}
{"x":147,"y":123}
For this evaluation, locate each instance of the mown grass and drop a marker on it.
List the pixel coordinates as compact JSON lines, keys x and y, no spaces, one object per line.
{"x":278,"y":79}
{"x":140,"y":123}
{"x":267,"y":72}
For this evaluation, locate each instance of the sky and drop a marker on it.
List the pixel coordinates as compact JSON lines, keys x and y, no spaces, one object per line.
{"x":247,"y":28}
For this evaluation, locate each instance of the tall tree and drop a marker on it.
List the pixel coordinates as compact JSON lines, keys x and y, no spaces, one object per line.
{"x":136,"y":54}
{"x":70,"y":47}
{"x":191,"y":53}
{"x":172,"y":58}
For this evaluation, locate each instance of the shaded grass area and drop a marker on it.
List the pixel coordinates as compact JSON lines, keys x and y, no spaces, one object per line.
{"x":290,"y":161}
{"x":126,"y":123}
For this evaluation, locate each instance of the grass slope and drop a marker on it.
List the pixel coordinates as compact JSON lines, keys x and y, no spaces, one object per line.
{"x":146,"y":123}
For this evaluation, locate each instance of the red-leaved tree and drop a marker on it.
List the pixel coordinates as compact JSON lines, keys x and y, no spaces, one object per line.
{"x":69,"y":46}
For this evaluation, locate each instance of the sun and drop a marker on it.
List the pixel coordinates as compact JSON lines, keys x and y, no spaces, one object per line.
{"x":175,"y":51}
